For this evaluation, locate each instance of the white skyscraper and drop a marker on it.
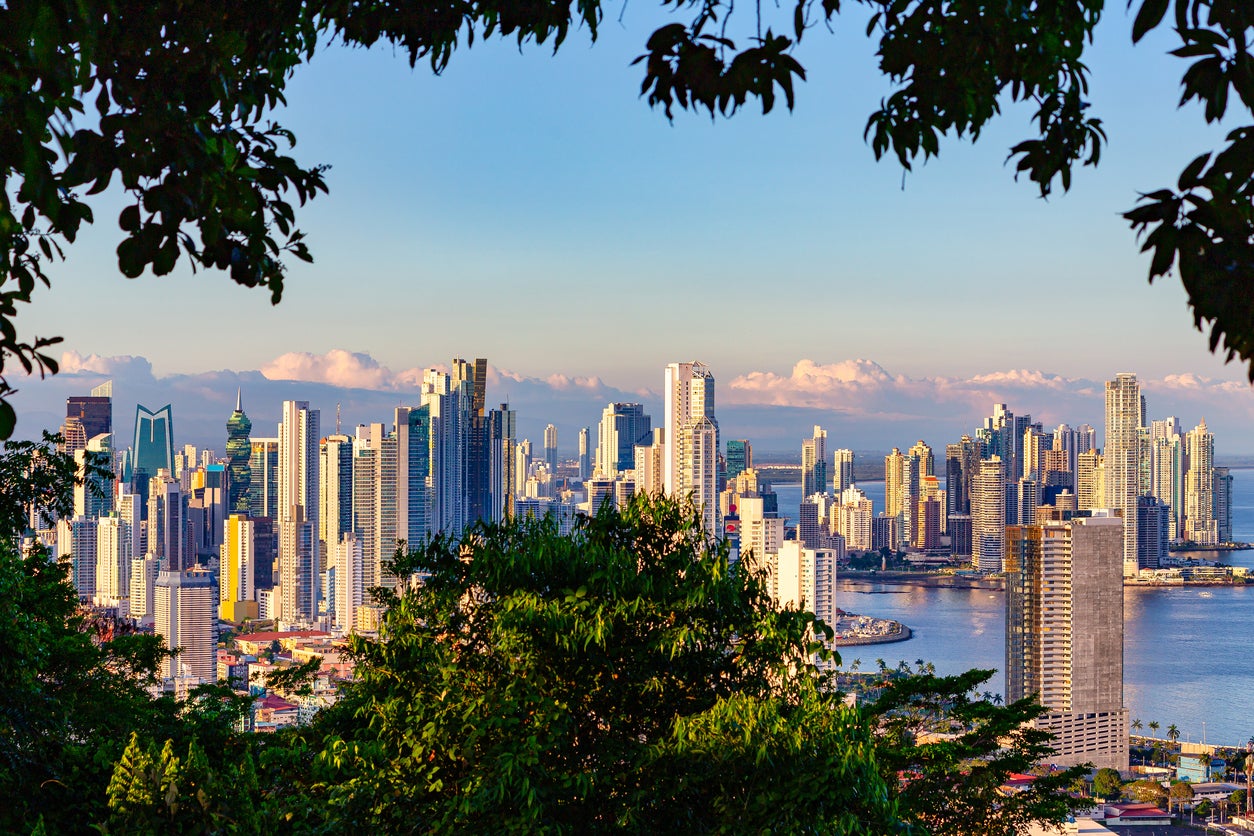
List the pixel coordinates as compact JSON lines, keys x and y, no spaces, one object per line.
{"x":988,"y":516}
{"x":185,"y":617}
{"x":300,"y":562}
{"x":1200,"y":525}
{"x":114,"y":551}
{"x":690,"y":465}
{"x":1125,"y":409}
{"x":805,"y":579}
{"x":842,"y":471}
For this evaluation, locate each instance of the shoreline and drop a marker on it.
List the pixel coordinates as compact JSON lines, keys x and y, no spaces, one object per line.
{"x":995,"y":582}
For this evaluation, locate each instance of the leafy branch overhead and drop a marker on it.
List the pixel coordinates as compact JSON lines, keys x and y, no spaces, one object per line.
{"x":173,"y":101}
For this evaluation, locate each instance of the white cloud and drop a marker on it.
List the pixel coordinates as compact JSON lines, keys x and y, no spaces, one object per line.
{"x":123,"y":364}
{"x":338,"y":367}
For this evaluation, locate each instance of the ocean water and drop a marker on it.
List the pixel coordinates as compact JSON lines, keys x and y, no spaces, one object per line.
{"x":1188,"y":659}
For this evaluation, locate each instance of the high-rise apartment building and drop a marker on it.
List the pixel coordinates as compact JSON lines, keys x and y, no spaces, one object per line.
{"x":184,"y":618}
{"x":239,"y":456}
{"x":1151,"y":532}
{"x":988,"y":516}
{"x":1200,"y":525}
{"x":648,"y":464}
{"x":585,"y":454}
{"x":114,"y":552}
{"x":761,"y":535}
{"x":1125,"y":414}
{"x":550,"y":449}
{"x":263,"y":466}
{"x":375,"y":486}
{"x":690,"y":461}
{"x":894,"y":483}
{"x":237,"y":566}
{"x":335,"y":489}
{"x":1064,"y":634}
{"x":962,"y":462}
{"x":1090,"y":481}
{"x":169,"y":536}
{"x":449,"y":401}
{"x":814,"y":463}
{"x":805,"y":579}
{"x":299,"y":576}
{"x":470,"y":378}
{"x":842,"y":471}
{"x":622,"y":427}
{"x":502,"y":434}
{"x":852,"y":516}
{"x":300,"y":554}
{"x":412,"y":427}
{"x":76,"y":539}
{"x":1223,"y":504}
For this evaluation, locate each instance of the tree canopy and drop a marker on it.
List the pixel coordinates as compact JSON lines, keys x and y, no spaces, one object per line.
{"x":175,"y":100}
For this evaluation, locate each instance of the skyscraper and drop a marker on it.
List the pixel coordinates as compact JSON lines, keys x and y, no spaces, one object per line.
{"x":842,"y":471}
{"x":988,"y":516}
{"x":168,"y":533}
{"x":1199,"y":486}
{"x":448,"y":401}
{"x":300,"y":557}
{"x":413,"y":474}
{"x":1064,"y":634}
{"x":94,"y":413}
{"x":1223,"y":504}
{"x":622,"y":427}
{"x":335,"y":490}
{"x":1124,"y":416}
{"x":814,"y":463}
{"x":739,"y":457}
{"x":502,"y":432}
{"x":299,"y":575}
{"x":114,"y":552}
{"x":239,"y":455}
{"x":153,"y":449}
{"x":375,"y":486}
{"x":237,"y":571}
{"x":471,"y":378}
{"x":894,"y":487}
{"x":550,"y":449}
{"x":263,"y":465}
{"x":689,"y":466}
{"x":585,"y":454}
{"x":183,"y":610}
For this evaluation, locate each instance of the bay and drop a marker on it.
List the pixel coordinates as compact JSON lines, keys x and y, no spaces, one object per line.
{"x":1188,"y":660}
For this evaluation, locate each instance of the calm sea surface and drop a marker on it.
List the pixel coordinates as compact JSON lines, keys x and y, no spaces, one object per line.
{"x":1188,"y":658}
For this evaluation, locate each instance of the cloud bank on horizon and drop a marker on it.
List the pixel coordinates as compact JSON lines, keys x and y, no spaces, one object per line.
{"x":860,"y":403}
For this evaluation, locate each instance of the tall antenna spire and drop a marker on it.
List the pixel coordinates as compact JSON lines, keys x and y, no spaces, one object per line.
{"x":337,"y":418}
{"x":239,"y":399}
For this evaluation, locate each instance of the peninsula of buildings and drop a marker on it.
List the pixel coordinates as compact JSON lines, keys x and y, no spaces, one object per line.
{"x":265,"y":555}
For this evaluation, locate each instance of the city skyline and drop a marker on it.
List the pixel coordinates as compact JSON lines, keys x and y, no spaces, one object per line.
{"x":860,"y":403}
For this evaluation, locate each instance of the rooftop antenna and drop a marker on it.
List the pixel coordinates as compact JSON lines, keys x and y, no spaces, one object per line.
{"x":337,"y":418}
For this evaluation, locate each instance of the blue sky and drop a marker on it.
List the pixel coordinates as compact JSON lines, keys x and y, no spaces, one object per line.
{"x":532,"y":209}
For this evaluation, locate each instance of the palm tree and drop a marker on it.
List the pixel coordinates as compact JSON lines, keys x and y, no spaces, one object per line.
{"x":1136,"y":725}
{"x":857,"y":663}
{"x":1173,"y":733}
{"x":1154,"y":727}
